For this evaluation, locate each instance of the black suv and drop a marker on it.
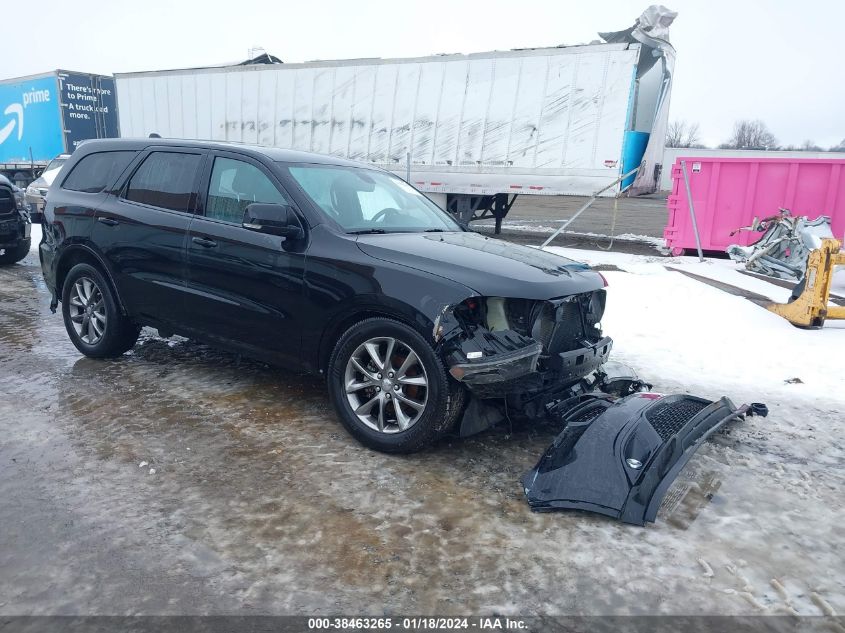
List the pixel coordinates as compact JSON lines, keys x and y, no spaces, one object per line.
{"x":319,"y":264}
{"x":15,"y":225}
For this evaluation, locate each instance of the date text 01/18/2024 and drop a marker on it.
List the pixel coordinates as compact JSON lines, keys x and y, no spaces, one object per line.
{"x":417,"y":624}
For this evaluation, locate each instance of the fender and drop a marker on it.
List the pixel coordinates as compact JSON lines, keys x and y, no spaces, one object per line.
{"x":89,"y":250}
{"x":364,"y":306}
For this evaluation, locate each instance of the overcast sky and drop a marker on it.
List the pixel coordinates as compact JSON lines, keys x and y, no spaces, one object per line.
{"x":777,"y":60}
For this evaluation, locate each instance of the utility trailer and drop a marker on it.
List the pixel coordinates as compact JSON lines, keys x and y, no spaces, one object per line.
{"x":50,"y":114}
{"x":472,"y":131}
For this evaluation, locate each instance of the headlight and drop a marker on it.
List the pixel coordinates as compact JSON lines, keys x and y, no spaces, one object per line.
{"x":595,"y":307}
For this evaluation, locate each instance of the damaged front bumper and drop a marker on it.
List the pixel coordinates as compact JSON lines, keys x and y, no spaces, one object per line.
{"x":618,"y":457}
{"x":498,"y":347}
{"x":518,"y":370}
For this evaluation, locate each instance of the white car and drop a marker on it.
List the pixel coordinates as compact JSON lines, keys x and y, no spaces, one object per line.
{"x":37,"y":189}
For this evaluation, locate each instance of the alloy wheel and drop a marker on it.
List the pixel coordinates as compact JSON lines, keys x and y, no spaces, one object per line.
{"x":87,"y":310}
{"x":386,"y":384}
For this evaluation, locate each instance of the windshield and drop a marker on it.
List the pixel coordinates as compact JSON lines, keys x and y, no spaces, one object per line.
{"x":49,"y":173}
{"x":55,"y":164}
{"x":370,"y":201}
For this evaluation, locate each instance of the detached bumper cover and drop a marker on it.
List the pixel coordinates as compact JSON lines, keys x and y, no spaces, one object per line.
{"x":618,"y":458}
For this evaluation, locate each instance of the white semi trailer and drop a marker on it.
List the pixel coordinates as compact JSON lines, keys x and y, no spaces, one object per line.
{"x":472,"y":131}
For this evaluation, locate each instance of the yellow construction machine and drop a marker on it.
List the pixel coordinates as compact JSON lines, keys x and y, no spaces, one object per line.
{"x":810,"y":308}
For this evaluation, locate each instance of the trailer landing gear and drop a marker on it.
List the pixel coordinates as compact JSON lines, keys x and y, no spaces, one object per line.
{"x":467,"y":207}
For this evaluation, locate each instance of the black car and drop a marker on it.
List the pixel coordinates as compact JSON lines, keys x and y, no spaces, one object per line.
{"x":15,"y":225}
{"x":319,"y":264}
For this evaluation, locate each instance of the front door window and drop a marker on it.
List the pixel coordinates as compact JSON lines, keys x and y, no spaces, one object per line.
{"x":235,"y":185}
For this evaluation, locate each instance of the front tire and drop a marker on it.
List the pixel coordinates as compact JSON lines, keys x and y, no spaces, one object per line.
{"x":389,"y":388}
{"x":93,"y":319}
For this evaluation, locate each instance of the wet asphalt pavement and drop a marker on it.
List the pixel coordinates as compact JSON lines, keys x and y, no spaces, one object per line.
{"x":639,"y":222}
{"x":253,"y":500}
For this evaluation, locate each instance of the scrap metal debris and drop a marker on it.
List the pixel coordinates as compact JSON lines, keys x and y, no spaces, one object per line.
{"x":786,"y":242}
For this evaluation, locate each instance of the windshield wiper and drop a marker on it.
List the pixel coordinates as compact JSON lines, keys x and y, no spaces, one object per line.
{"x":366,"y":231}
{"x":435,"y":230}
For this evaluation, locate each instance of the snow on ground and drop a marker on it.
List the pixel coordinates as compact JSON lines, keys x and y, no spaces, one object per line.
{"x":36,"y":238}
{"x":666,"y":323}
{"x":776,"y":517}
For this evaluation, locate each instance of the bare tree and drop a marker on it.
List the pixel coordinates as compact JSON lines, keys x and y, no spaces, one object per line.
{"x":838,"y":148}
{"x":682,"y":134}
{"x":810,"y":146}
{"x":749,"y":134}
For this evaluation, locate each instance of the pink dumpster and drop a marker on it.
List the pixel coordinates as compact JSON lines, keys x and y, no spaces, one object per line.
{"x":729,"y":192}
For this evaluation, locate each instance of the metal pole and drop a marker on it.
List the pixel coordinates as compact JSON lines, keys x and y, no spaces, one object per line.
{"x":408,"y":168}
{"x":692,"y":211}
{"x":586,"y":206}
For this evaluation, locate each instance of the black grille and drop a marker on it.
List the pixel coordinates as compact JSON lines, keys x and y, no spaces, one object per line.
{"x":586,"y":412}
{"x":7,"y":203}
{"x":667,"y":418}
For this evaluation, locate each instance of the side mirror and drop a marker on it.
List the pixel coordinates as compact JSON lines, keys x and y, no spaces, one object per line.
{"x":274,"y":219}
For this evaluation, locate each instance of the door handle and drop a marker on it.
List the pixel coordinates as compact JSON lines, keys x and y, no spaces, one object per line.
{"x":108,"y":221}
{"x":204,"y":241}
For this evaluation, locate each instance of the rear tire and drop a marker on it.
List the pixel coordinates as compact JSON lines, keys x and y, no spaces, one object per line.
{"x":16,"y":254}
{"x":380,"y":364}
{"x":92,"y":316}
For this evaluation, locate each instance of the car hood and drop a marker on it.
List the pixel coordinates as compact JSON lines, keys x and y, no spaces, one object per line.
{"x":491,"y":267}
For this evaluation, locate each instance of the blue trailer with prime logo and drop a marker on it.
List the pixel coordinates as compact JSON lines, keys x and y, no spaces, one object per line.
{"x":43,"y":116}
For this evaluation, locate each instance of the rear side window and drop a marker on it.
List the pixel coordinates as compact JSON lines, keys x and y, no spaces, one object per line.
{"x":166,"y":180}
{"x":95,"y":172}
